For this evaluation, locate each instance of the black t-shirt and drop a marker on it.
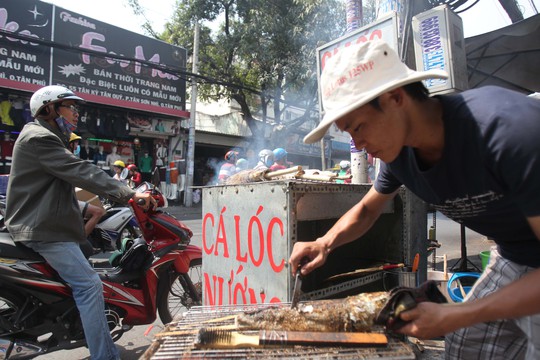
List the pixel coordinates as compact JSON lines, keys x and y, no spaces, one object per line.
{"x":489,"y":175}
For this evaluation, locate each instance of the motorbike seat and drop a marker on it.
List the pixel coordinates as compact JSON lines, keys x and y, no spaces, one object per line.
{"x":11,"y":249}
{"x":118,"y":275}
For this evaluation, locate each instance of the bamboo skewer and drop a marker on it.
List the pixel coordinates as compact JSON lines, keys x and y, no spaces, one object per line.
{"x":363,"y":271}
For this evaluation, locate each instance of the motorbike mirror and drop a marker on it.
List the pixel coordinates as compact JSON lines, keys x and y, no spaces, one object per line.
{"x":124,"y":174}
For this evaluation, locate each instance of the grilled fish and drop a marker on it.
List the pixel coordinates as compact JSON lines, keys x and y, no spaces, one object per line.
{"x":354,"y":313}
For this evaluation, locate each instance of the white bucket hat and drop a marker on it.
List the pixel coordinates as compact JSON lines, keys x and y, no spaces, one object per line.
{"x":358,"y":74}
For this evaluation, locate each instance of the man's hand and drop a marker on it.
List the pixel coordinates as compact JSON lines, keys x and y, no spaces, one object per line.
{"x":149,"y":201}
{"x":315,"y":251}
{"x":428,"y":320}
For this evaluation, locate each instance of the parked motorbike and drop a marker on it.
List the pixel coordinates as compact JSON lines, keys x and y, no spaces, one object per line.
{"x":115,"y":225}
{"x":158,"y":273}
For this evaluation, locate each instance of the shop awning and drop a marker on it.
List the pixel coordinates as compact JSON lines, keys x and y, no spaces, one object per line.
{"x":506,"y":57}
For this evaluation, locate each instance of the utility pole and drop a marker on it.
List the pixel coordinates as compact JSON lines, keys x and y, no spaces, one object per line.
{"x":188,"y":198}
{"x":512,"y":9}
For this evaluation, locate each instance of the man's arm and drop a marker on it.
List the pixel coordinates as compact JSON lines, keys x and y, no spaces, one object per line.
{"x":352,"y":225}
{"x":518,"y":299}
{"x":92,"y":214}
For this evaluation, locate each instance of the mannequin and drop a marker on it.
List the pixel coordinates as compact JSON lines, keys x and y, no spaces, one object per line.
{"x":161,"y":154}
{"x":159,"y":126}
{"x":87,"y":153}
{"x":100,"y":157}
{"x":112,"y":157}
{"x":145,"y":166}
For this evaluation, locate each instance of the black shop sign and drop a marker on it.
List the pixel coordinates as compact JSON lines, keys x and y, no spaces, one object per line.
{"x":102,"y":63}
{"x":25,"y":65}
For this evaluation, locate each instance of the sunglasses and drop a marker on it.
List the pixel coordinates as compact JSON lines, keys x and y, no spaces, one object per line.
{"x":73,"y":108}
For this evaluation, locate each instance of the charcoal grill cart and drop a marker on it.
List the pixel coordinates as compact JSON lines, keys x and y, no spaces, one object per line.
{"x":177,"y":342}
{"x":248,"y":231}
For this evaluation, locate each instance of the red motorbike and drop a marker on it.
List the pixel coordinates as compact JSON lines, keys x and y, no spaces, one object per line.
{"x":157,"y":273}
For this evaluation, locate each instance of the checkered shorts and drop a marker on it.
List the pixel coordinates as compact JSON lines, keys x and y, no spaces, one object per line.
{"x":502,"y":339}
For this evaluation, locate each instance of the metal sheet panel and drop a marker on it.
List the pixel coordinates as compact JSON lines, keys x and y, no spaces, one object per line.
{"x":249,"y":231}
{"x":246,"y":244}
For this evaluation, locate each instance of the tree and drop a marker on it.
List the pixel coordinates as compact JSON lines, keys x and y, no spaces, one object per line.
{"x":261,"y":51}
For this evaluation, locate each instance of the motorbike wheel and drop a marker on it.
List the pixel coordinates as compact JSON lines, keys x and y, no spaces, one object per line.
{"x":129,"y":231}
{"x":179,"y":292}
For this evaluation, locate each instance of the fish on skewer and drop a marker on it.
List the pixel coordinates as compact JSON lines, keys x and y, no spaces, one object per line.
{"x":354,"y":313}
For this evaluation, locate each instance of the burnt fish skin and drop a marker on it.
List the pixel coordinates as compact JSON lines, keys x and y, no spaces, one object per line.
{"x":354,"y":313}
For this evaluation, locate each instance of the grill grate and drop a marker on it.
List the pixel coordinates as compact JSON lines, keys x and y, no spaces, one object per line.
{"x":176,"y":342}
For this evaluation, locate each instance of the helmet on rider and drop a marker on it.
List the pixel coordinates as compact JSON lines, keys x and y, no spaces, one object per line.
{"x":119,"y":163}
{"x":74,"y":137}
{"x":241,"y":164}
{"x":279,"y":154}
{"x":344,"y":164}
{"x":74,"y":146}
{"x":132,"y":167}
{"x":231,"y":156}
{"x":266,"y":156}
{"x":47,"y":95}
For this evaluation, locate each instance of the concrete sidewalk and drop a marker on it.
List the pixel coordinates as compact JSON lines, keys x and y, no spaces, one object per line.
{"x":183,"y":213}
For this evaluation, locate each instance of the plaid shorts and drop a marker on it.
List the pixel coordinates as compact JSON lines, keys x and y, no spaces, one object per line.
{"x":502,"y":339}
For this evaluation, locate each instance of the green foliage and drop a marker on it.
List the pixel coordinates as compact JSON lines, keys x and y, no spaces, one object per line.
{"x":254,"y":51}
{"x":268,"y":45}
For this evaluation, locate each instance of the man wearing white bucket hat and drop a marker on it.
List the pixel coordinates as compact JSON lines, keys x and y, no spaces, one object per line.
{"x":475,"y":156}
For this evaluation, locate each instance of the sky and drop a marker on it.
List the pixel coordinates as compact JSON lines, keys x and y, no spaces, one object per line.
{"x":119,"y":13}
{"x":485,"y":16}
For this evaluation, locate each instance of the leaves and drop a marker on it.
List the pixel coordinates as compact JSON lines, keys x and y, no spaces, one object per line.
{"x":257,"y":50}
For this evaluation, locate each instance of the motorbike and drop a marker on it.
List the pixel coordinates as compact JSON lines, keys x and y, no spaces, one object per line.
{"x":157,"y":274}
{"x":115,"y":225}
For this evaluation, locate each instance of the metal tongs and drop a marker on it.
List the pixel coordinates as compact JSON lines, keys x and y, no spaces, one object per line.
{"x":297,"y":290}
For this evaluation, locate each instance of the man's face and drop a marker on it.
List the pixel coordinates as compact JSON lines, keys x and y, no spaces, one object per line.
{"x":380,"y":132}
{"x":69,"y":111}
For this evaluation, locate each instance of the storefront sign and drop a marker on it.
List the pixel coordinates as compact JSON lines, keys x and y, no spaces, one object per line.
{"x":118,"y":82}
{"x":439,"y":44}
{"x":384,"y":29}
{"x":25,"y":65}
{"x":124,"y":78}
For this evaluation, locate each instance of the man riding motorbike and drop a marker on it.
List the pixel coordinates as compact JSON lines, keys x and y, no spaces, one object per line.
{"x":42,"y":211}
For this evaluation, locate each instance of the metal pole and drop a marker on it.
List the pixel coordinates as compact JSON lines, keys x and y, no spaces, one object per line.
{"x":358,"y":157}
{"x":323,"y":156}
{"x":188,"y":198}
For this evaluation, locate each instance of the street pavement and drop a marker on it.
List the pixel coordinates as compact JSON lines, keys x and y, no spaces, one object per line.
{"x":135,"y":342}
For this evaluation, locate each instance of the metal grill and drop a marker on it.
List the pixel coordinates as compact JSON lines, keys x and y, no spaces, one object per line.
{"x":177,"y":341}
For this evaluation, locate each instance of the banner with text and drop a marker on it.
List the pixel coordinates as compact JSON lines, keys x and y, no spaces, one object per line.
{"x":102,"y":63}
{"x":25,"y":65}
